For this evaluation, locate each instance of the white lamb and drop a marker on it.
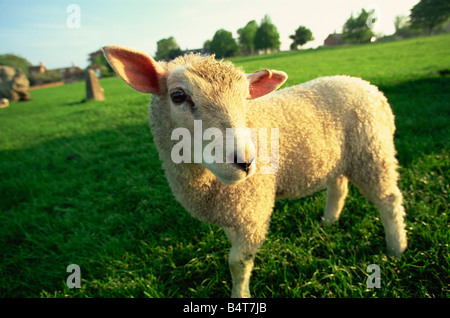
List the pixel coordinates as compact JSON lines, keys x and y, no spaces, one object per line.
{"x":330,"y":131}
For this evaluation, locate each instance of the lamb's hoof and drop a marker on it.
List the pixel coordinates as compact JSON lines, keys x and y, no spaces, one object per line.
{"x":240,"y":294}
{"x":327,"y":222}
{"x":395,"y":252}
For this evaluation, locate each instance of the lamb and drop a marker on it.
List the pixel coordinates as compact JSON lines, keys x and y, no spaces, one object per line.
{"x":331,"y":130}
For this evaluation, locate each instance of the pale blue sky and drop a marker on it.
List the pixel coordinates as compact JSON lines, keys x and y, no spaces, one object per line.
{"x":37,"y":29}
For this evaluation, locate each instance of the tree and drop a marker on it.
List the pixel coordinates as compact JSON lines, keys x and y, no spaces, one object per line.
{"x":223,"y":44}
{"x":403,"y":28}
{"x":301,"y":36}
{"x":430,"y":14}
{"x":207,"y":45}
{"x":167,"y":49}
{"x":359,"y":29}
{"x":267,"y":36}
{"x":101,"y":62}
{"x":15,"y":61}
{"x":247,"y":37}
{"x":400,"y":22}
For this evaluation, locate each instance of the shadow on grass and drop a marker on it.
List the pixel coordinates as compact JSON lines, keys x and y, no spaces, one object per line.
{"x":86,"y":199}
{"x":422,"y":117}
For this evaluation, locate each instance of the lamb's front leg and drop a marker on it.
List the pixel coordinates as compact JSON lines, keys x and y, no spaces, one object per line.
{"x":231,"y":234}
{"x":241,"y":259}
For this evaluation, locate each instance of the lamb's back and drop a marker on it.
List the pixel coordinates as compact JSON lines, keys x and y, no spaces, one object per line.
{"x":315,"y":121}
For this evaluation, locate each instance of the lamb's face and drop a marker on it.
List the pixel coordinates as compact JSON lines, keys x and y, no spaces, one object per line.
{"x":213,"y":108}
{"x":205,"y":98}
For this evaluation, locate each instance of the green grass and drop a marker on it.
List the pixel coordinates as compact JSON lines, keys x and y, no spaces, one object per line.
{"x":80,"y":182}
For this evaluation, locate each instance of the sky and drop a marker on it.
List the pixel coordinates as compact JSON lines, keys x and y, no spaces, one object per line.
{"x":59,"y":34}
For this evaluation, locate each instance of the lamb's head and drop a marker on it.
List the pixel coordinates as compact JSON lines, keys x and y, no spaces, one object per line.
{"x":207,"y":98}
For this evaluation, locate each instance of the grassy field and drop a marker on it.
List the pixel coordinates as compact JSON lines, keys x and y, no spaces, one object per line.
{"x":80,"y":183}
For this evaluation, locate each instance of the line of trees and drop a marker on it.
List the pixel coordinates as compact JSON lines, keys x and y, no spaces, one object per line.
{"x":426,"y":18}
{"x":252,"y":38}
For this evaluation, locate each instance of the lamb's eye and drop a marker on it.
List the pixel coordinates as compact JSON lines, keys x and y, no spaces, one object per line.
{"x":178,"y":96}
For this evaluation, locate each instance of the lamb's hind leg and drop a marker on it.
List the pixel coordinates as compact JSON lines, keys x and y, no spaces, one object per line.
{"x":392,"y":215}
{"x":336,"y":193}
{"x":378,"y":183}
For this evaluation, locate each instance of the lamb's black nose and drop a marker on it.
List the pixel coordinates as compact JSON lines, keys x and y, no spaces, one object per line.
{"x":242,"y":164}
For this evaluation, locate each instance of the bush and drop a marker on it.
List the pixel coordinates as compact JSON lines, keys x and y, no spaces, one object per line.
{"x":47,"y":77}
{"x":16,"y":61}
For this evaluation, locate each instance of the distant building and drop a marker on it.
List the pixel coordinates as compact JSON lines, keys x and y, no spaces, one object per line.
{"x":333,"y":40}
{"x":68,"y":74}
{"x":37,"y":69}
{"x":71,"y":74}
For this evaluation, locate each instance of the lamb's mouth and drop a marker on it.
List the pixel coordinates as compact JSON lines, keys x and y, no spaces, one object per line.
{"x":230,"y":182}
{"x":237,"y":177}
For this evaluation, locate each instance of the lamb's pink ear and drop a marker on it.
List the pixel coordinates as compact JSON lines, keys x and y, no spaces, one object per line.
{"x":136,"y":68}
{"x":264,"y":82}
